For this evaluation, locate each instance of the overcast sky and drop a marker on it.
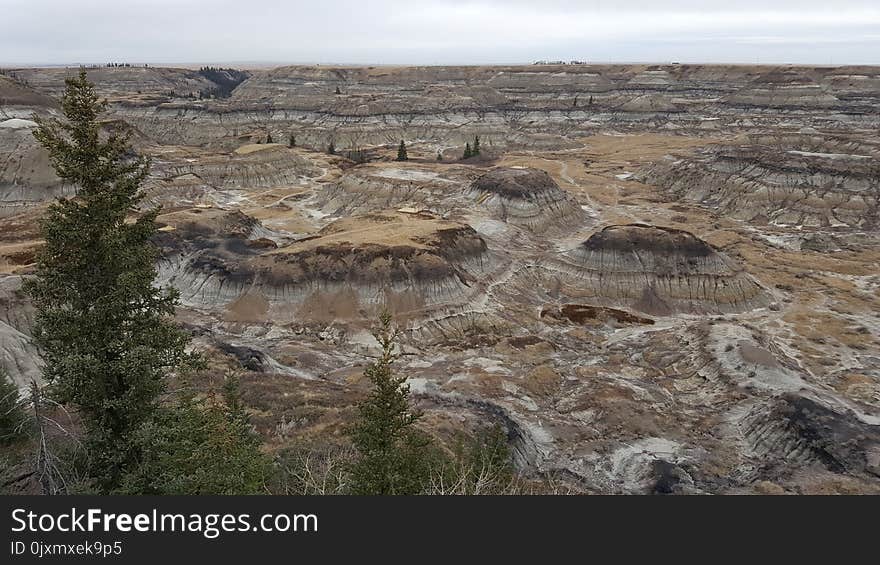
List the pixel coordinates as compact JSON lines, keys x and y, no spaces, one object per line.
{"x":438,"y":31}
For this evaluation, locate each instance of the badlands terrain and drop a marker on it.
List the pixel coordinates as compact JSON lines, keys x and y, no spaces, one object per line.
{"x":658,"y":279}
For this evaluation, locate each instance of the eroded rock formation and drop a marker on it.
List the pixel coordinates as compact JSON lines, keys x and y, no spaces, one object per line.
{"x":796,"y":180}
{"x":26,"y":177}
{"x":658,"y":271}
{"x":526,"y":197}
{"x":510,"y":107}
{"x":191,"y":176}
{"x":633,"y":359}
{"x":408,"y":263}
{"x":375,"y":187}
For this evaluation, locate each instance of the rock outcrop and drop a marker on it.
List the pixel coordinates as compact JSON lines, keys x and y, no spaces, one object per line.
{"x":18,"y":355}
{"x":508,"y":106}
{"x":182,"y":176}
{"x":797,"y":430}
{"x":795,"y":180}
{"x":149,"y":83}
{"x":375,"y":187}
{"x":657,"y":271}
{"x":528,"y":198}
{"x":409,"y":263}
{"x":784,"y":88}
{"x":26,"y":177}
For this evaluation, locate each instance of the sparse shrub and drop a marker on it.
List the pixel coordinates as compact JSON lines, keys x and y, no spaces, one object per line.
{"x":314,"y":471}
{"x":480,"y":464}
{"x":358,"y":156}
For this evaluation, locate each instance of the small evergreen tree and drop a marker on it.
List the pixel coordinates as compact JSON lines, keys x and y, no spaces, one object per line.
{"x":338,"y":91}
{"x":103,"y":327}
{"x":12,"y":416}
{"x":467,"y":151}
{"x":269,"y":138}
{"x":331,"y":149}
{"x":476,"y":150}
{"x":291,"y":142}
{"x":393,"y":456}
{"x":232,"y":399}
{"x":401,"y":152}
{"x":200,"y":447}
{"x":439,"y":156}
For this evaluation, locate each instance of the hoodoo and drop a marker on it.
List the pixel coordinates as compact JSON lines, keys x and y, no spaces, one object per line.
{"x":408,"y":263}
{"x":659,"y":271}
{"x":526,"y":197}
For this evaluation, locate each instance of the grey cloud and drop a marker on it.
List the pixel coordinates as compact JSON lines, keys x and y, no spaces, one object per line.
{"x":436,"y":31}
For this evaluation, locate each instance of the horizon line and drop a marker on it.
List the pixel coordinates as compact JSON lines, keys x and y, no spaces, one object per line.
{"x":537,"y":63}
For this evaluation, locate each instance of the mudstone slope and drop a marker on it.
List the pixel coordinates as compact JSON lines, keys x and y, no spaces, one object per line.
{"x":656,"y":278}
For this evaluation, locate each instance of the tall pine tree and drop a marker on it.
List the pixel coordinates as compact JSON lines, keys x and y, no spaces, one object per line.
{"x":476,"y":150}
{"x":401,"y":152}
{"x":394,"y":457}
{"x":104,"y":329}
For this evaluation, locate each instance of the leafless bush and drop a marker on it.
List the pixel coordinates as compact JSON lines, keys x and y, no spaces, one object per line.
{"x":315,"y":472}
{"x":47,"y":463}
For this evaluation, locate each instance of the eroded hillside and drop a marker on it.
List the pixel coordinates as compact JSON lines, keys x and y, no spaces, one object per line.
{"x":657,"y":278}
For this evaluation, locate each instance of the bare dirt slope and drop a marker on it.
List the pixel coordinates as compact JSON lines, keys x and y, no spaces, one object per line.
{"x":657,"y":278}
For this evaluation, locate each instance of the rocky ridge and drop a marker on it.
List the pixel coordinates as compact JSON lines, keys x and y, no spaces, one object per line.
{"x":796,"y":180}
